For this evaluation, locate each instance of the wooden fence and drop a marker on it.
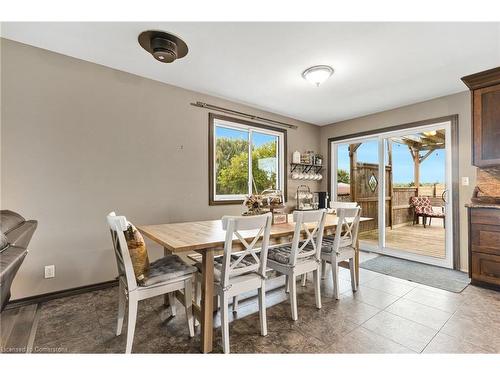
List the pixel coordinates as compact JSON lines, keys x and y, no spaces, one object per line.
{"x":398,"y":209}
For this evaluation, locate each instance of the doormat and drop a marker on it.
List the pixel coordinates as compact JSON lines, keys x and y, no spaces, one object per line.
{"x":437,"y":277}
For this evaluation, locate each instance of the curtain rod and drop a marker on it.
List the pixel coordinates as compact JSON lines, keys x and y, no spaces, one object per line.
{"x":242,"y":114}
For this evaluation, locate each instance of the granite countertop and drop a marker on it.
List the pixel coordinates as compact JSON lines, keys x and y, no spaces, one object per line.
{"x":483,"y":205}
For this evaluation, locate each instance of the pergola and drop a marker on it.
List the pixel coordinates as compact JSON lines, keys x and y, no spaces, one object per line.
{"x":421,"y":146}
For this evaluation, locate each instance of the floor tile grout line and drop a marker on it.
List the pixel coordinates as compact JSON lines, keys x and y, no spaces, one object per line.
{"x":455,"y":337}
{"x":11,"y":328}
{"x":439,"y":330}
{"x":411,"y":320}
{"x":400,"y":297}
{"x":432,"y":307}
{"x":356,"y":325}
{"x":33,"y":331}
{"x":385,"y":337}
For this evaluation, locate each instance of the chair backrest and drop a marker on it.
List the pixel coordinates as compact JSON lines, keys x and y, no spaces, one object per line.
{"x":336,"y":205}
{"x":117,"y":225}
{"x":232,"y":264}
{"x":346,"y":233}
{"x":421,"y":204}
{"x":311,"y":246}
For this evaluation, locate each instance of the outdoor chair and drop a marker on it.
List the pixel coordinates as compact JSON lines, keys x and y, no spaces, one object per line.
{"x":422,"y":208}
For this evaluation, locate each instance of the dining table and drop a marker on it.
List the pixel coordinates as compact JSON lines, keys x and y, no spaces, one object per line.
{"x":207,"y":238}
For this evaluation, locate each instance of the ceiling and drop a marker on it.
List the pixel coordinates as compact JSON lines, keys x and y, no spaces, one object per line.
{"x":378,"y":66}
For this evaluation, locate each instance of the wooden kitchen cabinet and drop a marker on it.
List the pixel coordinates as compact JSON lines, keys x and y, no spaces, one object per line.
{"x":484,"y":245}
{"x":485,"y":88}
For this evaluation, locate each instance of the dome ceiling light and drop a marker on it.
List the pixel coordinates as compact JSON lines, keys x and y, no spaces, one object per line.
{"x":317,"y":74}
{"x":164,"y":47}
{"x":430,"y":133}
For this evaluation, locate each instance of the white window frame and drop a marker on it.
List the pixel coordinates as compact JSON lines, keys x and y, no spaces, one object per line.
{"x":280,"y":162}
{"x":380,"y":138}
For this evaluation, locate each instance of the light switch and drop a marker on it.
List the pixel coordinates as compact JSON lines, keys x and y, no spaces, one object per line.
{"x":465,"y":181}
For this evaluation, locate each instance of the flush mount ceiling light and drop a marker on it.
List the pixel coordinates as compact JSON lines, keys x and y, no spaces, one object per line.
{"x":430,"y":134}
{"x":317,"y":74}
{"x":163,"y":46}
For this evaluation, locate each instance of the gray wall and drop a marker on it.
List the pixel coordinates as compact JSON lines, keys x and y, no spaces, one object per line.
{"x":79,"y":140}
{"x":444,"y":106}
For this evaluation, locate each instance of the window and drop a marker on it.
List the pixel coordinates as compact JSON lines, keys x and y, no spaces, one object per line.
{"x":245,"y":158}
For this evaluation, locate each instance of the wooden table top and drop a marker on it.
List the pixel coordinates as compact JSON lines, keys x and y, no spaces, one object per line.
{"x":202,"y":235}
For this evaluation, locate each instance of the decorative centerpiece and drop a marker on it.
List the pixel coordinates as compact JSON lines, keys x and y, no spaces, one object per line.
{"x":304,"y":198}
{"x":268,"y":201}
{"x":276,"y":202}
{"x":254,"y":205}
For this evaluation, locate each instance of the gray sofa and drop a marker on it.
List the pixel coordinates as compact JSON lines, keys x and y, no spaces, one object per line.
{"x":15,"y":236}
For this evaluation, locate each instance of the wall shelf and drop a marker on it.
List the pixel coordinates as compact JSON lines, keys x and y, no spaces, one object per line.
{"x":305,"y":168}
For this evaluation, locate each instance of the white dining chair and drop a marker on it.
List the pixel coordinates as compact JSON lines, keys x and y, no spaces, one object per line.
{"x":300,"y":257}
{"x":341,"y":246}
{"x":242,"y":271}
{"x":166,"y":275}
{"x":334,"y":205}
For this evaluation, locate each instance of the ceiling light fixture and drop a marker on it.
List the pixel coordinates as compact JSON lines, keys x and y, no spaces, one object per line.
{"x":430,"y":134}
{"x":317,"y":74}
{"x":164,"y":47}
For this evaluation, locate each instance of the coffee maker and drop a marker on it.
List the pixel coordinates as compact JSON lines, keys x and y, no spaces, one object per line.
{"x":322,"y":198}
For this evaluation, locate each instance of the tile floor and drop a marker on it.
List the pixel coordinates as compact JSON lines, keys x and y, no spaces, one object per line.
{"x":386,"y":315}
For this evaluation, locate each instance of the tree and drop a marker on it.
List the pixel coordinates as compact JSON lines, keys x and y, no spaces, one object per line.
{"x":232,"y":166}
{"x":228,"y":148}
{"x":264,"y":176}
{"x":343,"y":176}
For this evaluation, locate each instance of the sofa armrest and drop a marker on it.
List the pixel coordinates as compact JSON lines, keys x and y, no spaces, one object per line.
{"x":21,"y":235}
{"x":10,"y":261}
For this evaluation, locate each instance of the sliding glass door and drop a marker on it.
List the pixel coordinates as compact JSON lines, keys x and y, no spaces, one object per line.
{"x":402,"y":181}
{"x":358,"y":181}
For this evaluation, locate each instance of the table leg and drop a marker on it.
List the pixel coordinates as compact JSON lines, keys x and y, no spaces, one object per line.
{"x":356,"y":262}
{"x":207,"y":300}
{"x":166,"y":301}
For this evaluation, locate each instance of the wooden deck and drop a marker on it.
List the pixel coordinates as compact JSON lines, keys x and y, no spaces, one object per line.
{"x":429,"y":241}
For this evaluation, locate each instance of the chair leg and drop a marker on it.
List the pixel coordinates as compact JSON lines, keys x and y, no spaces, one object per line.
{"x":304,"y":279}
{"x":122,"y":305}
{"x":188,"y":302}
{"x":430,"y":221}
{"x":335,"y":277}
{"x":323,"y":269}
{"x":132,"y":316}
{"x":262,"y":309}
{"x":317,"y":290}
{"x":287,"y":284}
{"x":353,"y":274}
{"x":424,"y":219}
{"x":171,"y":301}
{"x":197,"y":295}
{"x":224,"y":317}
{"x":293,"y":296}
{"x":235,"y":304}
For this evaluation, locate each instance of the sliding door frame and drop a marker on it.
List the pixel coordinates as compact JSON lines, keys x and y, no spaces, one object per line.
{"x":453,"y":121}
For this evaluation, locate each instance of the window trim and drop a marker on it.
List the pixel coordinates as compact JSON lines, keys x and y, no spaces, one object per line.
{"x":282,"y":155}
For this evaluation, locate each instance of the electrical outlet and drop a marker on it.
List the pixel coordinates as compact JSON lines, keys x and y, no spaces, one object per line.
{"x":50,"y":271}
{"x":465,"y":181}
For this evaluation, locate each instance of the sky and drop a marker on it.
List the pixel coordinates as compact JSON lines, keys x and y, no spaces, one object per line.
{"x":432,"y":169}
{"x":266,"y":164}
{"x":258,"y":138}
